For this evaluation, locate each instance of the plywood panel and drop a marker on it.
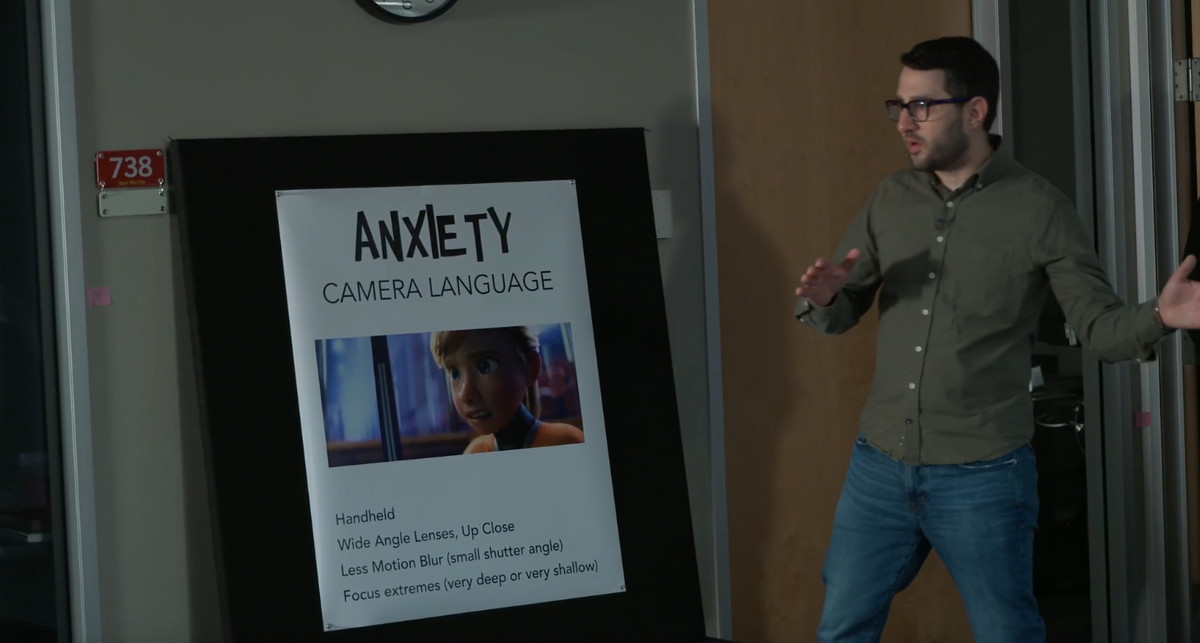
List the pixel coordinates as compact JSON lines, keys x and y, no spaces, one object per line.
{"x":800,"y":138}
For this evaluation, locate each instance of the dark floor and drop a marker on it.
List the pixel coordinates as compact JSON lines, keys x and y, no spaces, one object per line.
{"x":1195,"y":613}
{"x":1067,"y":616}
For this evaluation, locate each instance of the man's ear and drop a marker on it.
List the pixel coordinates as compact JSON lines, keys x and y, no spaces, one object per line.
{"x":977,"y":111}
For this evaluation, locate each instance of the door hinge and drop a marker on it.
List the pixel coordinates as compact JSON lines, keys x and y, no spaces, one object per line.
{"x":1187,"y":80}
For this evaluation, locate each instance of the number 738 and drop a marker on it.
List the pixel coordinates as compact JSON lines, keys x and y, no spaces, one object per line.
{"x":134,"y":166}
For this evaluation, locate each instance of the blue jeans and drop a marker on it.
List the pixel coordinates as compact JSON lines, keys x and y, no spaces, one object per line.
{"x":980,"y":518}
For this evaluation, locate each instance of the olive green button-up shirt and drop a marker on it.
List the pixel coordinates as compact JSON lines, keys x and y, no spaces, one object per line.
{"x":961,"y":278}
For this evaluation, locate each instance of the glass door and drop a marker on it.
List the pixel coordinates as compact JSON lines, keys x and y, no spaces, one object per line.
{"x":33,"y":576}
{"x":1093,"y":107}
{"x":1049,"y":115}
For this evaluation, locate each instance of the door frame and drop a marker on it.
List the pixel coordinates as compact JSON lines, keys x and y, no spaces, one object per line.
{"x":70,"y":321}
{"x":1160,"y":609}
{"x":718,"y":615}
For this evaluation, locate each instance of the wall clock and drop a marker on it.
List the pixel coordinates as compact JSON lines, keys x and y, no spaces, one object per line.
{"x":406,"y":11}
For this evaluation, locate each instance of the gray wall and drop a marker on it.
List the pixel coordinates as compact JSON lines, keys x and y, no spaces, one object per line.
{"x":148,"y":71}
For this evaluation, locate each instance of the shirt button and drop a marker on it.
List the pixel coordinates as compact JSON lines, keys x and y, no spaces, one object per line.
{"x":907,"y":421}
{"x":912,"y":385}
{"x":949,"y":204}
{"x":941,"y":239}
{"x":933,"y":275}
{"x":918,"y":349}
{"x":925,"y":311}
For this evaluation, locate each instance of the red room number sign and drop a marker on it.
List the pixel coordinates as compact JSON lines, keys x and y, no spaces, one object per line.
{"x":130,"y":169}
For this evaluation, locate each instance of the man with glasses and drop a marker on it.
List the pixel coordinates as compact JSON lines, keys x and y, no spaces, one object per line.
{"x":962,"y":250}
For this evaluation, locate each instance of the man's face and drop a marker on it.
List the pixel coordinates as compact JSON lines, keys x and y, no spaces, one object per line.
{"x":939,"y":142}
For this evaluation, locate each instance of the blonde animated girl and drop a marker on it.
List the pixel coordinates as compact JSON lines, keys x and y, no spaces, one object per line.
{"x":493,"y":376}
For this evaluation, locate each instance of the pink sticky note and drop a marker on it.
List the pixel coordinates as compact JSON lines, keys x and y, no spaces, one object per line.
{"x":1142,"y":421}
{"x":99,"y":296}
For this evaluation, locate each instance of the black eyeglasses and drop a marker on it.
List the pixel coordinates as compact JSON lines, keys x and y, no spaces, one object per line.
{"x":917,"y":109}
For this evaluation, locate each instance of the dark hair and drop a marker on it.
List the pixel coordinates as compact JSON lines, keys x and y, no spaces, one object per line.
{"x":970,"y":70}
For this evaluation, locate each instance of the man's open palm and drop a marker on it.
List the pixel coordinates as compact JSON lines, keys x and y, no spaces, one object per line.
{"x":823,"y":280}
{"x":1179,"y":302}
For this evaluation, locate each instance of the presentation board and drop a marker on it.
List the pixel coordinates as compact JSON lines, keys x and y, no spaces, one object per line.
{"x":435,"y":387}
{"x":437,"y":321}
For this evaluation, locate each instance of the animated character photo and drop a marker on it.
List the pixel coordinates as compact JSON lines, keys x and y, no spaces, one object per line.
{"x":493,"y":375}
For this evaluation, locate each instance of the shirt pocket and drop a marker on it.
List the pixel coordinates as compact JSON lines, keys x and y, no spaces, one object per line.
{"x":981,"y":281}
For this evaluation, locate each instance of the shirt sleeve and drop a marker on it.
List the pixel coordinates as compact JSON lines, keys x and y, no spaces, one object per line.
{"x":857,"y":296}
{"x":1111,"y":329}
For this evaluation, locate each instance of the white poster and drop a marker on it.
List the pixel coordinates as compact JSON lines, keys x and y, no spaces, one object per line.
{"x":453,"y":427}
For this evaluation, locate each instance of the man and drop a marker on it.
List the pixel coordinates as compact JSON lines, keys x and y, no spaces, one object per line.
{"x":962,"y":250}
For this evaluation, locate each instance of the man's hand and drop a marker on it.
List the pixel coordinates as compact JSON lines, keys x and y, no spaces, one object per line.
{"x":823,"y":280}
{"x":1179,"y":302}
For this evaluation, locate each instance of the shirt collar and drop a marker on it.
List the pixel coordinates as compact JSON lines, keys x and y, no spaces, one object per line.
{"x":995,"y":167}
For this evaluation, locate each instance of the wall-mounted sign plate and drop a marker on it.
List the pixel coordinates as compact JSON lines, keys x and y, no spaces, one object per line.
{"x":130,"y":169}
{"x":131,"y":182}
{"x":132,"y":201}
